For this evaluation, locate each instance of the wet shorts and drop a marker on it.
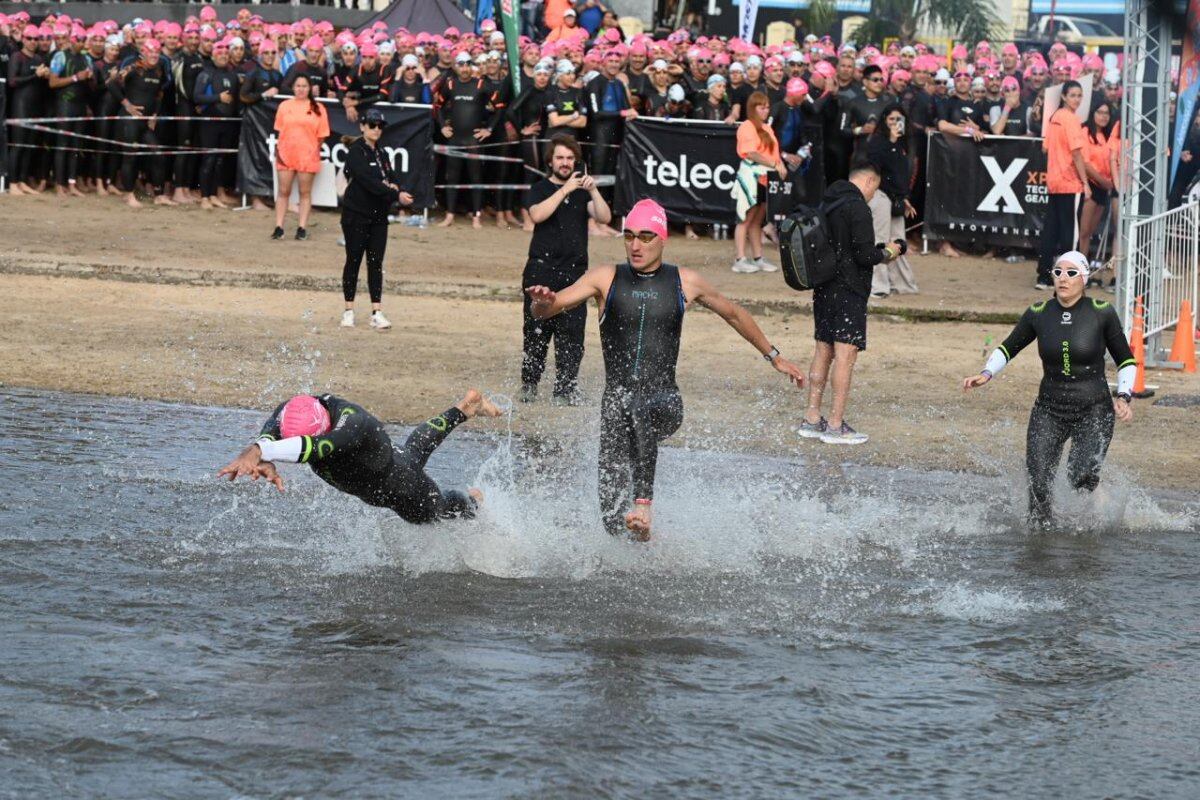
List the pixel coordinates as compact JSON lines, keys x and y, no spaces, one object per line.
{"x":840,"y":314}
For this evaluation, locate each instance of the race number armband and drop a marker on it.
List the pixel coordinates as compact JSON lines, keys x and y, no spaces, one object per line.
{"x":283,"y":450}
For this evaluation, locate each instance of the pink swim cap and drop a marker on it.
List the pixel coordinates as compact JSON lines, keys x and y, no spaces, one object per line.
{"x":647,"y":215}
{"x":303,"y":415}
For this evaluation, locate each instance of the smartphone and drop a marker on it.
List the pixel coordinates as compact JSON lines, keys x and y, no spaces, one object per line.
{"x":900,"y":125}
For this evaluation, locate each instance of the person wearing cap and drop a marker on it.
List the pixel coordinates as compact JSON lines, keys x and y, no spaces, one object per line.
{"x":373,"y":188}
{"x":1066,"y":180}
{"x":788,"y":120}
{"x":499,"y":91}
{"x":70,"y":77}
{"x":527,"y":116}
{"x":464,"y":120}
{"x":566,"y":109}
{"x":313,"y":66}
{"x":265,"y":79}
{"x":349,"y":449}
{"x":1010,"y":117}
{"x":216,"y":98}
{"x":27,"y":73}
{"x":186,"y":68}
{"x":104,"y":107}
{"x":751,"y":82}
{"x":609,"y":106}
{"x":139,"y":88}
{"x":1073,"y":332}
{"x":409,"y":85}
{"x":713,"y":103}
{"x":369,"y":83}
{"x":655,"y":97}
{"x":568,"y":30}
{"x":677,"y":105}
{"x":642,"y":304}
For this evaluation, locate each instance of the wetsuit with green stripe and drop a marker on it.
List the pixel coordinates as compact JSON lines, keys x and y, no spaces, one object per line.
{"x":640,"y":326}
{"x":1073,"y":400}
{"x":357,"y":457}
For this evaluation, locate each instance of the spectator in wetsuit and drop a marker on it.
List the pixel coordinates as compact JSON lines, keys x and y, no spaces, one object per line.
{"x":104,"y":105}
{"x":262,"y":82}
{"x":216,"y":96}
{"x":712,"y":104}
{"x":186,"y":68}
{"x":26,"y":73}
{"x":527,"y":115}
{"x":348,"y":448}
{"x":409,"y":86}
{"x":498,"y":88}
{"x":1073,"y":332}
{"x":312,"y":66}
{"x":463,"y":118}
{"x":70,"y":78}
{"x":566,"y":109}
{"x":861,"y":113}
{"x":369,"y":84}
{"x":609,"y":105}
{"x":642,"y":303}
{"x":560,"y":207}
{"x":139,"y":88}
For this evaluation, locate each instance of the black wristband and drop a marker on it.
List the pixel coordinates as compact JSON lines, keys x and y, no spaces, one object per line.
{"x":771,"y":354}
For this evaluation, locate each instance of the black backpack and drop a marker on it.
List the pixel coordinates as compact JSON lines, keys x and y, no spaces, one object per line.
{"x":805,"y":250}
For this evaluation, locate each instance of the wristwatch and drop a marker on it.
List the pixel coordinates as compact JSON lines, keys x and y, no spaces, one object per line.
{"x":1126,"y":396}
{"x":771,"y":355}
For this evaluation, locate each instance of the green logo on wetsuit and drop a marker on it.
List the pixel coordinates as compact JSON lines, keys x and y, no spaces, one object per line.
{"x":324,"y":448}
{"x":438,"y":424}
{"x":1066,"y":351}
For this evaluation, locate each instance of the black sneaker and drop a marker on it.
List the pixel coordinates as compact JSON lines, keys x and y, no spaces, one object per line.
{"x":277,"y":233}
{"x":301,"y":234}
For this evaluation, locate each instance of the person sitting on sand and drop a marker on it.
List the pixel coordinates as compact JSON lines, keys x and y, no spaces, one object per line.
{"x":349,"y":449}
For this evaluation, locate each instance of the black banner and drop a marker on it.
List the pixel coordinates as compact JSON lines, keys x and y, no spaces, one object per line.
{"x":992,"y":192}
{"x":407,"y":139}
{"x":689,"y":167}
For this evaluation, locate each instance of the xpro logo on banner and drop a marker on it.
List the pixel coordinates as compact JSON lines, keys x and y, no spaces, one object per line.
{"x":1002,"y":181}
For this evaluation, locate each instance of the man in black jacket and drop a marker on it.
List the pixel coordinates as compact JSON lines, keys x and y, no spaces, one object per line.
{"x":840,"y":306}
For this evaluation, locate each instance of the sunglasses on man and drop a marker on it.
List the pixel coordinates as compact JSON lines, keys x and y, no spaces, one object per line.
{"x":645,"y":237}
{"x":375,"y":126}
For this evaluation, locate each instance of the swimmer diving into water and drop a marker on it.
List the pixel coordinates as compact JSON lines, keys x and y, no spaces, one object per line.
{"x":642,"y":303}
{"x":349,"y":449}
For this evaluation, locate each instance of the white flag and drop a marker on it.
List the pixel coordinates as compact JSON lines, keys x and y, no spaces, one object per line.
{"x":749,"y":13}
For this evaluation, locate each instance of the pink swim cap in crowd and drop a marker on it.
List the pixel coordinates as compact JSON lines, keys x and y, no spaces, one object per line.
{"x":303,"y":415}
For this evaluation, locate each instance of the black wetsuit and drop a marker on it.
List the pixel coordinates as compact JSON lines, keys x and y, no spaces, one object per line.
{"x":317,"y":78}
{"x":216,"y":134}
{"x":499,"y":93}
{"x":403,"y":92}
{"x":463,"y":106}
{"x":564,"y":102}
{"x":70,"y":101}
{"x":140,"y":85}
{"x":369,"y":86}
{"x":186,"y":68}
{"x":528,"y":108}
{"x":104,"y":104}
{"x":606,"y":98}
{"x":640,"y":327}
{"x":1073,"y":400}
{"x":24,"y":101}
{"x":357,"y":457}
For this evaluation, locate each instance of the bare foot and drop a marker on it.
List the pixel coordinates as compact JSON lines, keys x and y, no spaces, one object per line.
{"x":501,"y":222}
{"x":206,"y":204}
{"x":74,"y":191}
{"x":226,"y":198}
{"x":477,"y":222}
{"x":527,"y":227}
{"x":689,"y":233}
{"x":61,"y":191}
{"x":15,"y":189}
{"x":30,"y":188}
{"x":474,"y":403}
{"x":948,"y":251}
{"x":511,"y":219}
{"x":132,"y":201}
{"x":476,"y":495}
{"x":638,"y":523}
{"x":447,"y":221}
{"x":114,"y":190}
{"x":259,"y":205}
{"x":163,"y":200}
{"x":181,"y":196}
{"x":218,"y":203}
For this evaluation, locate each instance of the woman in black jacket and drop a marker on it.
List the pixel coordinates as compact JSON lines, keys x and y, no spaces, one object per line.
{"x":372,"y":188}
{"x":887,"y":150}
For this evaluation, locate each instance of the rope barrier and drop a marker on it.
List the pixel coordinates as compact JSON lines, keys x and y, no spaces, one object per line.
{"x":122,"y":153}
{"x":136,"y":145}
{"x":23,"y":120}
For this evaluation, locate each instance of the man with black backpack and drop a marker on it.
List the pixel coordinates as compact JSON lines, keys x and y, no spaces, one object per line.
{"x":840,"y":302}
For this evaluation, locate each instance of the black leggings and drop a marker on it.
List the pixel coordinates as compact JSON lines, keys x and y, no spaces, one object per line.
{"x":567,"y":330}
{"x":631,"y":426}
{"x":21,"y":140}
{"x":215,"y":135}
{"x":186,"y":166}
{"x":1090,"y":430}
{"x":411,"y":493}
{"x":66,"y":154}
{"x":455,"y":167}
{"x":605,"y":133}
{"x":1058,"y":234}
{"x":371,"y":240}
{"x":135,"y":131}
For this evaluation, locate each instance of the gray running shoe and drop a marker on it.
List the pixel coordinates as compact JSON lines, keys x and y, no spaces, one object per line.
{"x":843,"y":435}
{"x":812,"y":430}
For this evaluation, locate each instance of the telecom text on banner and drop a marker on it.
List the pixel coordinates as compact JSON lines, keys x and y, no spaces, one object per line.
{"x":992,"y":192}
{"x":407,"y":140}
{"x":689,"y":167}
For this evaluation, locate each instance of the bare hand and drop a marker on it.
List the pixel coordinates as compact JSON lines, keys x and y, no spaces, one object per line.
{"x":869,"y":128}
{"x":134,"y":111}
{"x":531,"y":130}
{"x":266,"y":470}
{"x":629,"y":113}
{"x":482,"y":133}
{"x":406,"y":199}
{"x":225,"y":97}
{"x":975,"y":381}
{"x":781,"y":168}
{"x":572,"y":183}
{"x":792,"y":160}
{"x":909,"y":211}
{"x":152,"y":123}
{"x":245,"y":464}
{"x":977,"y":134}
{"x":447,"y":131}
{"x":1123,"y":410}
{"x":541,"y":297}
{"x":1087,"y":190}
{"x":1185,"y":156}
{"x":588,"y":183}
{"x":270,"y":92}
{"x":351,"y":113}
{"x":793,"y":372}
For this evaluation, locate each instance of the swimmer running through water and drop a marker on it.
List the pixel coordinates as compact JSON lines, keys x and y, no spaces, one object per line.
{"x":349,"y":449}
{"x":642,"y":303}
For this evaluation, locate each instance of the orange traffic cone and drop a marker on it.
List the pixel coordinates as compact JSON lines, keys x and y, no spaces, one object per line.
{"x":1183,"y":349}
{"x":1137,"y":343}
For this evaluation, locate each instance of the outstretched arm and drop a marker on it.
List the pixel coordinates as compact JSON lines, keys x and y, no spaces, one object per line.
{"x":702,"y":292}
{"x":545,"y":303}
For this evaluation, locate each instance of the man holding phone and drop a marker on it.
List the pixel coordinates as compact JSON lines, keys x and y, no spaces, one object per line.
{"x":559,"y":207}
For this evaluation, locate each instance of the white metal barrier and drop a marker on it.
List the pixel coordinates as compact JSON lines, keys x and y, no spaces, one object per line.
{"x":1163,"y":268}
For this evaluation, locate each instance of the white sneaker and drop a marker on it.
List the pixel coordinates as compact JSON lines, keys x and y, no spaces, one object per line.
{"x":348,"y":319}
{"x":765,"y":266}
{"x":379,"y":321}
{"x":843,"y":435}
{"x":745,"y":266}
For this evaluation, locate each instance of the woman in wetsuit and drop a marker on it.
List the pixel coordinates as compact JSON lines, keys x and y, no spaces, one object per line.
{"x":1073,"y":333}
{"x":27,"y":73}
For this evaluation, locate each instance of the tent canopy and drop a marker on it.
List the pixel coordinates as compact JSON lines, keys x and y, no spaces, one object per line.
{"x":422,"y":16}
